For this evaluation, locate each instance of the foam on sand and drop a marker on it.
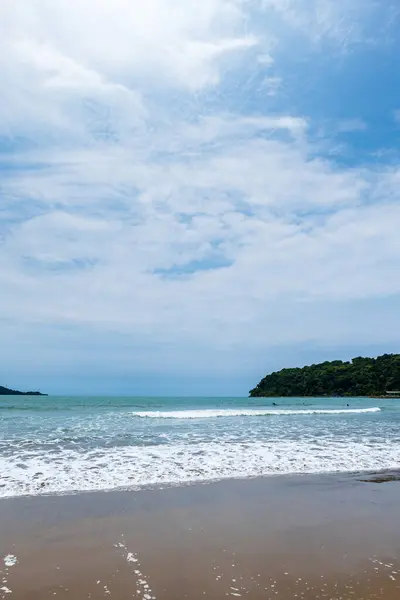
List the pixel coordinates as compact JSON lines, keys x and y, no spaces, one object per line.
{"x":9,"y":561}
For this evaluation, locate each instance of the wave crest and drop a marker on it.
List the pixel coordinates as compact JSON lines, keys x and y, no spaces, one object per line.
{"x":247,"y":412}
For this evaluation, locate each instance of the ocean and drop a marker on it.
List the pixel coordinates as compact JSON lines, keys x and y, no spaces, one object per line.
{"x":58,"y":445}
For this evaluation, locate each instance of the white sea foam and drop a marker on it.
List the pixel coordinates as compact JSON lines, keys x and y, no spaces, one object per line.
{"x":10,"y":560}
{"x":143,"y":588}
{"x":248,"y":412}
{"x":69,"y":471}
{"x":5,"y":590}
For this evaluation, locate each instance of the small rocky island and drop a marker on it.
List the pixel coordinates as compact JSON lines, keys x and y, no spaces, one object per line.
{"x":7,"y":392}
{"x":375,"y":377}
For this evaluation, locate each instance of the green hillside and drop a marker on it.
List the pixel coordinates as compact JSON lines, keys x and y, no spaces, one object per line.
{"x":359,"y":377}
{"x":7,"y":392}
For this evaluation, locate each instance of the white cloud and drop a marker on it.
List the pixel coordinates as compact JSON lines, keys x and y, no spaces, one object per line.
{"x":340,"y":21}
{"x":135,"y":200}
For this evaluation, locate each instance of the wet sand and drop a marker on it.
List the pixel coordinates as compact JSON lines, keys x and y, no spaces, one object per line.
{"x":302,"y":537}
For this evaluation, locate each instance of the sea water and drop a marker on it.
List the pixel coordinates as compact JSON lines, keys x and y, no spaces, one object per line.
{"x":74,"y":444}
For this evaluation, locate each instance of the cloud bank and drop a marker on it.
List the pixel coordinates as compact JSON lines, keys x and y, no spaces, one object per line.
{"x":160,"y":181}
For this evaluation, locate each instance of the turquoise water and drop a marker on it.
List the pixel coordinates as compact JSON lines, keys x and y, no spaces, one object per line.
{"x":64,"y":445}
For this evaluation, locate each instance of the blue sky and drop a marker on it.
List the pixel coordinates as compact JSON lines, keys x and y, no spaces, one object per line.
{"x":195,"y":193}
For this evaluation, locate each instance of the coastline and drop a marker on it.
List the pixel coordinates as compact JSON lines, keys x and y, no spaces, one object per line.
{"x":110,"y":444}
{"x":306,"y":535}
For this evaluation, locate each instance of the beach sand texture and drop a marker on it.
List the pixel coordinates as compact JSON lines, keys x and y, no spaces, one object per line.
{"x":305,"y":537}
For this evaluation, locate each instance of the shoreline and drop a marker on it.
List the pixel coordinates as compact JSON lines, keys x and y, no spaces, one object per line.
{"x":368,"y":476}
{"x":310,"y":535}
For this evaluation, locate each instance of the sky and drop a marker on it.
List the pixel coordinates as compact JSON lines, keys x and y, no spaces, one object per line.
{"x":194,"y":193}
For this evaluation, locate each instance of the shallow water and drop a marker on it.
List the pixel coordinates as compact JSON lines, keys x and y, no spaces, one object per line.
{"x":59,"y":445}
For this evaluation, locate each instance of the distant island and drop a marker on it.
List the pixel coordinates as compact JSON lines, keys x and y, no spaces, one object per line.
{"x":359,"y":377}
{"x":7,"y":392}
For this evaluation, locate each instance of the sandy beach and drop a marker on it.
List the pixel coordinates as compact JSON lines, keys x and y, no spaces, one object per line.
{"x":305,"y":537}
